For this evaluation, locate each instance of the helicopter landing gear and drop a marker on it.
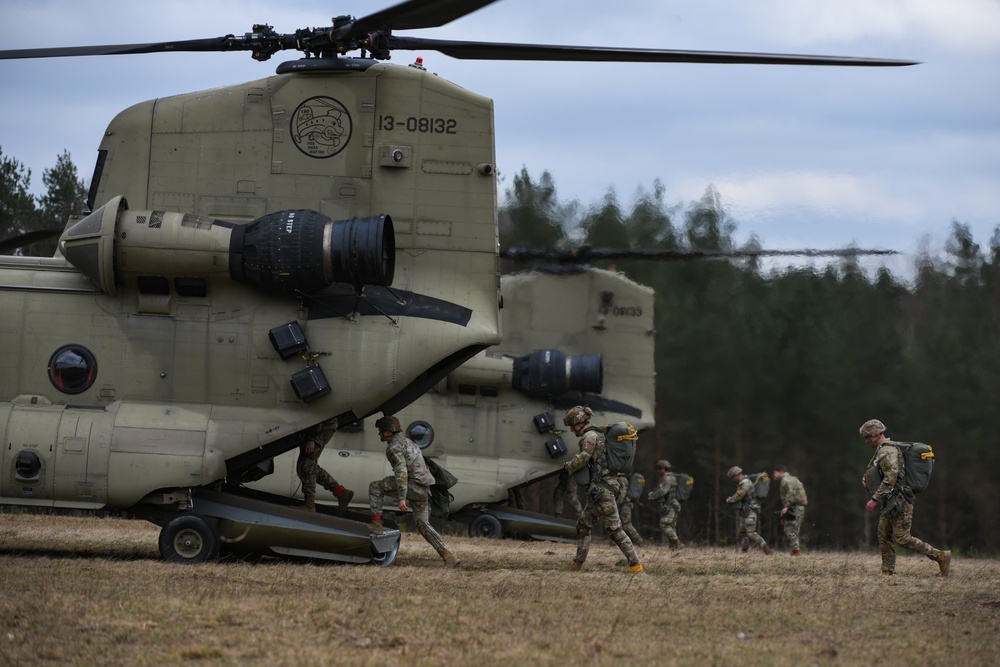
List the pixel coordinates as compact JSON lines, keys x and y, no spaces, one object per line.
{"x":485,"y":525}
{"x":189,"y":538}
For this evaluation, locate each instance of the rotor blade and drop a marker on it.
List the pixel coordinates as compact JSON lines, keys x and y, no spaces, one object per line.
{"x":503,"y":51}
{"x":587,"y":254}
{"x":212,"y":44}
{"x":416,"y":14}
{"x":27,"y":239}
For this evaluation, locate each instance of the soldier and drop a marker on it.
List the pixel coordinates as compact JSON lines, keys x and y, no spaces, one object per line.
{"x":602,"y":492}
{"x":745,"y":500}
{"x":625,"y":507}
{"x":309,"y":471}
{"x":670,"y":506}
{"x":896,"y":503}
{"x":411,"y":480}
{"x":565,"y":492}
{"x":793,"y":499}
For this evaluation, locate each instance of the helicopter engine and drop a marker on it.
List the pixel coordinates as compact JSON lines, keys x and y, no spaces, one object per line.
{"x":286,"y":252}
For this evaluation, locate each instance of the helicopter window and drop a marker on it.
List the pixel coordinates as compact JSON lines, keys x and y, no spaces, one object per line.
{"x":72,"y":369}
{"x":421,"y":433}
{"x":489,"y":391}
{"x":190,"y":287}
{"x":27,"y":464}
{"x":153,"y":285}
{"x":467,"y":389}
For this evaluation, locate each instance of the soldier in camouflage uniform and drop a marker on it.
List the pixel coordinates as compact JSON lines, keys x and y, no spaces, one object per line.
{"x":625,"y":510}
{"x":794,"y":501}
{"x":745,"y":500}
{"x":896,"y":503}
{"x":411,"y":480}
{"x":309,"y":471}
{"x":670,"y":506}
{"x":566,"y":491}
{"x":602,"y":492}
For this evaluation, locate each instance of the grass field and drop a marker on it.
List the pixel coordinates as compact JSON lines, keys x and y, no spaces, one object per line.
{"x":88,"y":591}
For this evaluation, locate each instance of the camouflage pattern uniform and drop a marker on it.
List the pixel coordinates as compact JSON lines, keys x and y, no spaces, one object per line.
{"x":745,"y":499}
{"x":670,"y":507}
{"x":625,"y":512}
{"x":411,"y":481}
{"x":602,"y":499}
{"x":307,"y":465}
{"x":566,"y":491}
{"x":793,"y":496}
{"x":896,"y":517}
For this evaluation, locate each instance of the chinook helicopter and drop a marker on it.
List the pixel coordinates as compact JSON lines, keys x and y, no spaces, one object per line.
{"x":320,"y":244}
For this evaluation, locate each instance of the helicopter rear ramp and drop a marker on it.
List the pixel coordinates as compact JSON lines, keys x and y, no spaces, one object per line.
{"x":265,"y":524}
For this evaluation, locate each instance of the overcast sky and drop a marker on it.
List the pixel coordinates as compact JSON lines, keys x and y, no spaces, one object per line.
{"x":801,"y":156}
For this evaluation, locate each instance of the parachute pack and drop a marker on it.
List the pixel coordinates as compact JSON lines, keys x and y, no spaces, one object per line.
{"x":440,"y":500}
{"x":685,"y":483}
{"x":918,"y":464}
{"x":761,"y":484}
{"x":620,"y":447}
{"x":636,"y":483}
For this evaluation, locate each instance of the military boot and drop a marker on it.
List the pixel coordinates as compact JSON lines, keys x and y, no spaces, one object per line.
{"x":310,"y":504}
{"x":676,"y":545}
{"x":344,"y":498}
{"x":767,"y":550}
{"x":449,"y":559}
{"x":796,"y":552}
{"x":575,"y":566}
{"x":943,"y":561}
{"x":376,"y":525}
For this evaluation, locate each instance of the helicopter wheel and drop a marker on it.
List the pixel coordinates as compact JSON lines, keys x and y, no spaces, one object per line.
{"x":387,"y":558}
{"x":189,"y":539}
{"x":485,"y":525}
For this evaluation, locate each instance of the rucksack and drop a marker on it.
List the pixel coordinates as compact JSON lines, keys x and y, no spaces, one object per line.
{"x":685,"y":483}
{"x":619,"y":449}
{"x":761,"y":484}
{"x":440,"y":500}
{"x":918,"y":464}
{"x":636,"y":483}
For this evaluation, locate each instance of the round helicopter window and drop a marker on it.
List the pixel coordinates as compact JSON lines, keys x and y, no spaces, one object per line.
{"x":421,"y":433}
{"x":72,"y":369}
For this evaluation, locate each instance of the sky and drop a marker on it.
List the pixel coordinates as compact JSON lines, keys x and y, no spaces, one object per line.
{"x":800,"y":156}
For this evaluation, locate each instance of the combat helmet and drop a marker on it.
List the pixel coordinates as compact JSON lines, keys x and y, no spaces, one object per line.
{"x":387,"y":423}
{"x":663,"y":464}
{"x":580,"y":414}
{"x":871,"y":427}
{"x":734,"y":471}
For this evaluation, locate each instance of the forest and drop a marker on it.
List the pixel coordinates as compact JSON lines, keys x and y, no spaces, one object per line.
{"x":763,"y":365}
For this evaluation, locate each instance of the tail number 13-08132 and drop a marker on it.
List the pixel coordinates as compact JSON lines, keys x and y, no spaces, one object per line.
{"x":415,"y":124}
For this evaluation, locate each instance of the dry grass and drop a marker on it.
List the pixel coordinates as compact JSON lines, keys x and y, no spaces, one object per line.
{"x":82,"y":591}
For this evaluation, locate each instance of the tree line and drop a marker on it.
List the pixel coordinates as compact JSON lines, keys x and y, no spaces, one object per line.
{"x":21,"y":212}
{"x":759,"y":368}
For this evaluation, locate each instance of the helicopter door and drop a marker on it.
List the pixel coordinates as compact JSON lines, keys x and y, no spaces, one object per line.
{"x":27,"y":464}
{"x":82,"y":454}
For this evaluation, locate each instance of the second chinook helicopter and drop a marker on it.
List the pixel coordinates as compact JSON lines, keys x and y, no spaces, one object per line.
{"x":260,"y":258}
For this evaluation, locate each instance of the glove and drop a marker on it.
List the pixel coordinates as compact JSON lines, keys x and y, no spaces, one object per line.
{"x":871,"y":505}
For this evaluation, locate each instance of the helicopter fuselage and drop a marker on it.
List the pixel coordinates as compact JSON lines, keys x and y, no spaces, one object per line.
{"x":144,"y":359}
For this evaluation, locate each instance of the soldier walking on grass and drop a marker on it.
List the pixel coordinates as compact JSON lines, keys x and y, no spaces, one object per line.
{"x":793,"y":499}
{"x":309,"y":471}
{"x":411,"y":480}
{"x":670,"y":506}
{"x":745,"y":500}
{"x":602,"y":492}
{"x":896,"y":502}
